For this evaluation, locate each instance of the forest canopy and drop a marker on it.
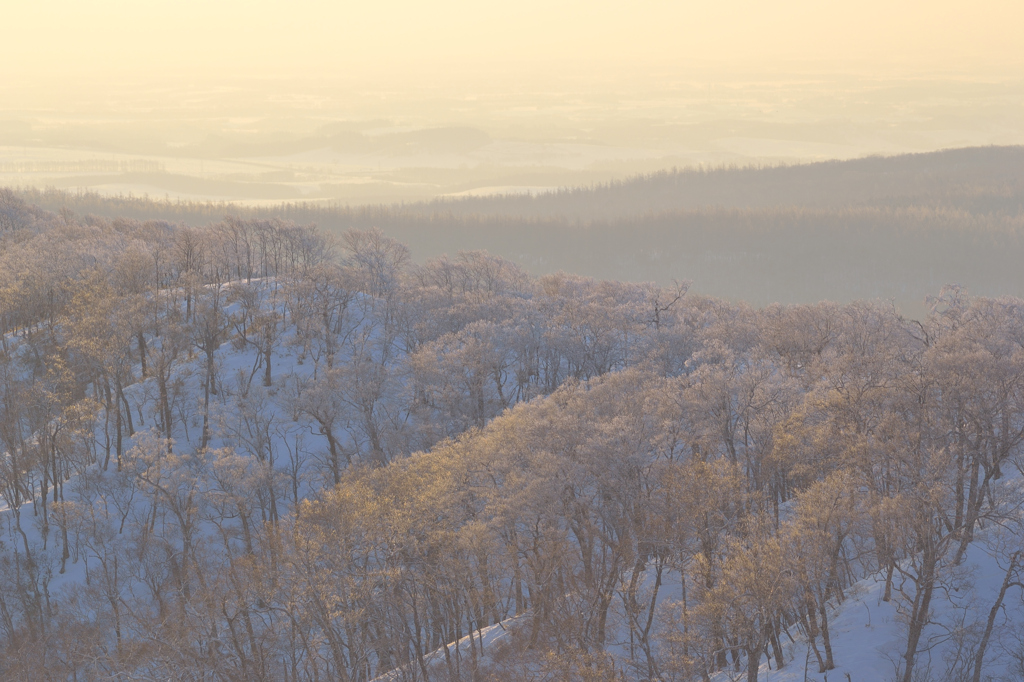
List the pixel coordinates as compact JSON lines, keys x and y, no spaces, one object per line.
{"x":258,"y":450}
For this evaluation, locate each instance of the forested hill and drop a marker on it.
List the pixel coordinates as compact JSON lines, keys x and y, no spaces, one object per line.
{"x":251,"y":452}
{"x":976,"y":180}
{"x":891,"y":227}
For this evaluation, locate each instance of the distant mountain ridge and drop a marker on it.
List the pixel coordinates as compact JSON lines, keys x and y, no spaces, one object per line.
{"x":971,"y":178}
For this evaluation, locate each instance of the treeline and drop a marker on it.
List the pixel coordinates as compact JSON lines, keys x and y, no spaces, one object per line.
{"x":761,"y":256}
{"x":895,"y":227}
{"x":253,"y":452}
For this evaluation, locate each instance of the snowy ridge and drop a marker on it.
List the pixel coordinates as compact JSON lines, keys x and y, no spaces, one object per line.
{"x":867,"y":632}
{"x":347,"y":469}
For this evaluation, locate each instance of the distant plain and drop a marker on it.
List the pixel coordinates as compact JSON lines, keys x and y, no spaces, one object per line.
{"x":261,"y":141}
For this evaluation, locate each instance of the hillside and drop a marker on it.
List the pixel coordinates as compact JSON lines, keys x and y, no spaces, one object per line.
{"x":252,"y":452}
{"x":974,"y":180}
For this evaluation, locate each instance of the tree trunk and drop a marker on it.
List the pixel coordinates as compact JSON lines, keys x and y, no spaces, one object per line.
{"x":919,"y":612}
{"x":826,"y":639}
{"x":142,"y":353}
{"x":206,"y":397}
{"x":753,"y":662}
{"x":992,"y":614}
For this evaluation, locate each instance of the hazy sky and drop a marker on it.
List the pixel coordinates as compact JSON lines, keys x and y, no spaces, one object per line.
{"x":59,"y":41}
{"x":270,"y":100}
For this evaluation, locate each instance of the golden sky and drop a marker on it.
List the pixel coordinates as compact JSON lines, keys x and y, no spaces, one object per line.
{"x":532,"y":93}
{"x":57,"y":41}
